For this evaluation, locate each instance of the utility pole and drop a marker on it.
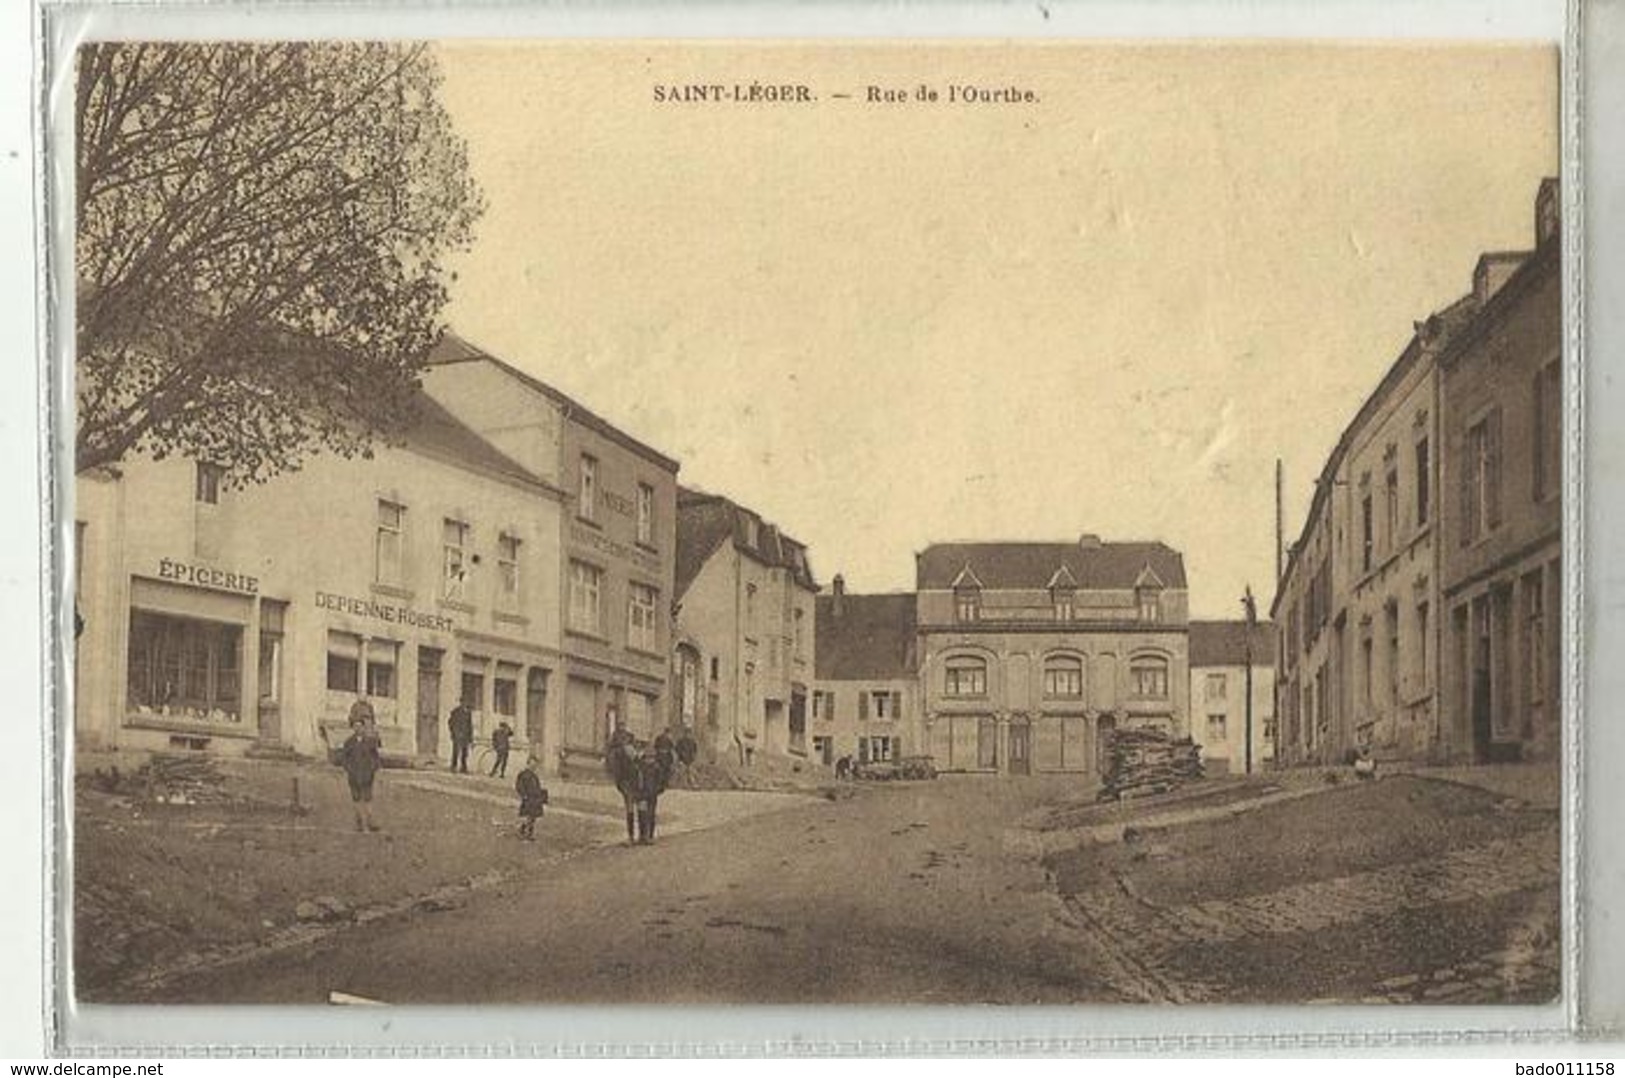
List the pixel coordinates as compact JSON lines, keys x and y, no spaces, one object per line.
{"x":1280,"y":537}
{"x":1249,"y":608}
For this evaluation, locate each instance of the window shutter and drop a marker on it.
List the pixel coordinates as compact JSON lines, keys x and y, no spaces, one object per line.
{"x":1492,"y":467}
{"x":863,"y":706}
{"x":896,"y":705}
{"x":829,"y":705}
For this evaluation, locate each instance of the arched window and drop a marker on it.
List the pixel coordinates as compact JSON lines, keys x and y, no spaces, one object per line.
{"x":1148,"y":677}
{"x":1063,"y":677}
{"x":966,"y":676}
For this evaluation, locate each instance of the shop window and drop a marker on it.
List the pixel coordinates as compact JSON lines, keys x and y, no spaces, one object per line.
{"x":646,"y":514}
{"x":505,"y":691}
{"x":381,"y":666}
{"x":1063,"y":677}
{"x":586,"y":590}
{"x":1148,"y":678}
{"x":472,"y":687}
{"x":508,"y":571}
{"x":343,"y":662}
{"x":208,"y":483}
{"x":454,"y":544}
{"x":387,"y":547}
{"x":965,"y":676}
{"x":185,"y":667}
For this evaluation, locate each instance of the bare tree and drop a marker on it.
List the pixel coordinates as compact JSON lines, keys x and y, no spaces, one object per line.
{"x":260,"y":247}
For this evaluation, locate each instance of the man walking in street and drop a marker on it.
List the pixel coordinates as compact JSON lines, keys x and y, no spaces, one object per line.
{"x":462,"y":736}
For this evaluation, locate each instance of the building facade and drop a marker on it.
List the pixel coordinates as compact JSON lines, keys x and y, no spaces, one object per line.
{"x":1501,"y":403}
{"x":865,"y":702}
{"x":1471,"y":406}
{"x":230,"y":619}
{"x":745,"y":652}
{"x":1030,"y":654}
{"x":617,"y":543}
{"x":1227,"y":659}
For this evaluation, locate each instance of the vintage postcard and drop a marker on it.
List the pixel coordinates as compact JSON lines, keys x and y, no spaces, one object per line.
{"x":817,"y":522}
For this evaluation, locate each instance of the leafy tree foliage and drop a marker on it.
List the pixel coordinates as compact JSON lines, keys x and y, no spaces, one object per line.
{"x":260,"y":250}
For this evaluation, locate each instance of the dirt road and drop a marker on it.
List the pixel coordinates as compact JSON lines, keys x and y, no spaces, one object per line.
{"x":901,"y":894}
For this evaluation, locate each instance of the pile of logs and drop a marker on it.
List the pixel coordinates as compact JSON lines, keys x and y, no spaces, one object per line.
{"x":1142,"y":762}
{"x":183,"y":780}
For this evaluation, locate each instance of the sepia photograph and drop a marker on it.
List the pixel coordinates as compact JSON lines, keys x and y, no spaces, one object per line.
{"x":816,"y":522}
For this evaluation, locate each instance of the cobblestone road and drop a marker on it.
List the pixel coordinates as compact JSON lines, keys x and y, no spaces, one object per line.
{"x":1144,"y":936}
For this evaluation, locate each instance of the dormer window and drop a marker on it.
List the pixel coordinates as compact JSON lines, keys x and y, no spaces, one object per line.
{"x":1148,"y":602}
{"x":1062,"y":587}
{"x":967,"y":595}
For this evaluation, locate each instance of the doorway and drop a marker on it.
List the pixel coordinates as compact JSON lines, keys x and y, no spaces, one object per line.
{"x":429,"y":701}
{"x":535,"y":710}
{"x":1021,"y":748}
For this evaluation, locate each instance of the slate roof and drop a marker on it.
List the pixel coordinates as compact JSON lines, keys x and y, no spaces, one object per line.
{"x":453,"y":349}
{"x":1017,"y":565}
{"x":706,"y":521}
{"x":1224,"y":643}
{"x":872,"y":640}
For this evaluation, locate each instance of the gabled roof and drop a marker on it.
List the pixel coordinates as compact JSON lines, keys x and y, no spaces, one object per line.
{"x":871,"y":640}
{"x":967,"y":578}
{"x":1224,"y":643}
{"x":706,"y":521}
{"x":1007,"y":565}
{"x":452,"y":349}
{"x":1063,"y":578}
{"x":436,"y":432}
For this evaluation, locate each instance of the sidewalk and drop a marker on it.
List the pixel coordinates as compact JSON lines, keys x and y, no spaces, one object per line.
{"x":1537,"y":786}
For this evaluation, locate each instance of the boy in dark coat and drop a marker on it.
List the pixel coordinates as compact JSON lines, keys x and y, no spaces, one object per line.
{"x":361,"y":758}
{"x":532,"y":799}
{"x":501,"y":742}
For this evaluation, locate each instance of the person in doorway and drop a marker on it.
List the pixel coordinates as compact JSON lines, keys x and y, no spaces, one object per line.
{"x":501,"y":742}
{"x":462,"y":736}
{"x":532,"y":799}
{"x":361,"y":757}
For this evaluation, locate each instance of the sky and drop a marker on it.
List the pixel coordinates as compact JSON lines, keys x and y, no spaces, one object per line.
{"x":882,"y":325}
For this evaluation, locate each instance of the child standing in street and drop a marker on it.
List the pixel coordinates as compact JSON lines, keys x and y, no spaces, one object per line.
{"x":361,"y":759}
{"x":501,"y":741}
{"x":532,"y":799}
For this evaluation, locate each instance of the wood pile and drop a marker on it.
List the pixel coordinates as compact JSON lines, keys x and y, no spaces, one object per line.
{"x":1143,"y":762}
{"x":183,"y":780}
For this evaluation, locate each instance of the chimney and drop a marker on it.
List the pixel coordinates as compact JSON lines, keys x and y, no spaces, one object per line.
{"x":1548,"y":209}
{"x":1492,"y":272}
{"x":1089,"y":541}
{"x":838,"y":589}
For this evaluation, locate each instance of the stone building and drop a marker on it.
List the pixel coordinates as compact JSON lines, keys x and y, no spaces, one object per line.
{"x":865,"y":702}
{"x":229,"y":620}
{"x":1470,"y":408}
{"x":617,"y":541}
{"x":745,"y":650}
{"x":1030,"y":653}
{"x":1227,"y":657}
{"x":1501,"y":406}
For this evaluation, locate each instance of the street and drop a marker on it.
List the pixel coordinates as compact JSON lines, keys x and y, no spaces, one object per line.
{"x":933,"y":893}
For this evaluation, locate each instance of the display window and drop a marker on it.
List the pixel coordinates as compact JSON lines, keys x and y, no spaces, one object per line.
{"x":185,"y":668}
